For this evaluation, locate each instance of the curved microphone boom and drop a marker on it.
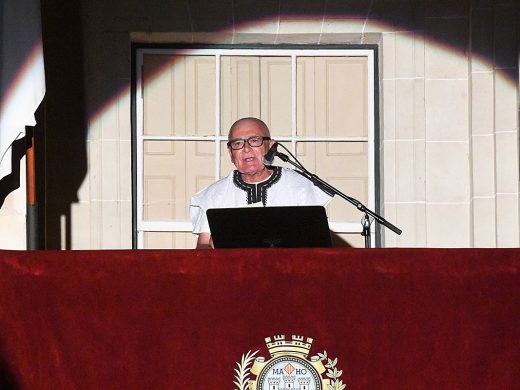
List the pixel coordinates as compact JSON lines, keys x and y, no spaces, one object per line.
{"x":269,"y":156}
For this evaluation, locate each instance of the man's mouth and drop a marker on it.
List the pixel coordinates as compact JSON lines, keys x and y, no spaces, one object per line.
{"x":249,"y":159}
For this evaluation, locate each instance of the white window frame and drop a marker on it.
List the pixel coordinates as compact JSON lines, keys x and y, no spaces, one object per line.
{"x":143,"y":226}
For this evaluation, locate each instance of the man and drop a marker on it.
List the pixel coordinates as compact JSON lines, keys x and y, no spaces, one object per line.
{"x":252,"y":183}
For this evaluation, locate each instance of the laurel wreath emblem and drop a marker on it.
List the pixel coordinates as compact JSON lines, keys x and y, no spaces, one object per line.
{"x":332,"y":372}
{"x":242,"y":372}
{"x":244,"y":367}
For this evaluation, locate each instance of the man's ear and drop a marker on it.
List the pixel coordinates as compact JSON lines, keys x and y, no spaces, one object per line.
{"x":271,"y":143}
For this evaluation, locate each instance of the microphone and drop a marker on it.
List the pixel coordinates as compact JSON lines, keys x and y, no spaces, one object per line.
{"x":269,"y":156}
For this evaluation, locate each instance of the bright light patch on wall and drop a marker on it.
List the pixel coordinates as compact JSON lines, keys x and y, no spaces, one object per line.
{"x":296,"y":29}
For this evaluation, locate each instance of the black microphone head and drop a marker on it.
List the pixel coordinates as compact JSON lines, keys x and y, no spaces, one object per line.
{"x":269,"y":156}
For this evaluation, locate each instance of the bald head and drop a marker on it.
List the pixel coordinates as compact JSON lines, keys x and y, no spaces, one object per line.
{"x":248,"y":121}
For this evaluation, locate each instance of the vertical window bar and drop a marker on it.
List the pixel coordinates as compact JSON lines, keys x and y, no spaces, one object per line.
{"x":371,"y":135}
{"x":371,"y":130}
{"x":293,"y":103}
{"x":140,"y":148}
{"x":217,"y":116}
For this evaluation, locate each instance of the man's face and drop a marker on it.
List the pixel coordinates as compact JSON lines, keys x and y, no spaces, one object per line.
{"x":248,"y":160}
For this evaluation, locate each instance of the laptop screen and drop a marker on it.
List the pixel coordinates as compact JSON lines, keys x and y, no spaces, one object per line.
{"x":269,"y":227}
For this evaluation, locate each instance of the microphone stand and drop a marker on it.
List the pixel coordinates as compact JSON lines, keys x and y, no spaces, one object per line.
{"x":331,"y":190}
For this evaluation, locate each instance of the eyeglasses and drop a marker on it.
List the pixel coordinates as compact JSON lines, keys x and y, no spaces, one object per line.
{"x":254,"y":141}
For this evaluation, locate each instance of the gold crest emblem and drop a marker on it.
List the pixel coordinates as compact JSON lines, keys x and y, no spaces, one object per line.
{"x":288,"y":368}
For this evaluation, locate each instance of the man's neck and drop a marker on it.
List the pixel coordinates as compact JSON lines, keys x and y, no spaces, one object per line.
{"x":257,"y":177}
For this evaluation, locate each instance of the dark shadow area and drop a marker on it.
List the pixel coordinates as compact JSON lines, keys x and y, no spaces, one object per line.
{"x":11,"y":182}
{"x":8,"y":380}
{"x":65,"y":118}
{"x":39,"y":161}
{"x":338,"y":241}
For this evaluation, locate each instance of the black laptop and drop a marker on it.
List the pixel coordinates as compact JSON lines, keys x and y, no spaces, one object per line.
{"x":270,"y":227}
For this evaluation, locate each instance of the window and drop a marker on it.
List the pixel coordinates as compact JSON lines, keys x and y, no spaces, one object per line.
{"x":318,"y":103}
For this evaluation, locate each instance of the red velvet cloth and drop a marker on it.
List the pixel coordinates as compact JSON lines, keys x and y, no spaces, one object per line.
{"x":394,"y":318}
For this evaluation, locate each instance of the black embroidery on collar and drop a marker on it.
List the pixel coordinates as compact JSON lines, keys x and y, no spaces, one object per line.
{"x":257,"y":192}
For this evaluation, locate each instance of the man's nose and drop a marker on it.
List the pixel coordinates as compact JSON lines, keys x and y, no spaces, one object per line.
{"x":247,"y":147}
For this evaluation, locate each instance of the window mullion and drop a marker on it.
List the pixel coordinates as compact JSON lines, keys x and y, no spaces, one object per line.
{"x":371,"y":133}
{"x":294,"y":104}
{"x":139,"y":148}
{"x":217,"y":116}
